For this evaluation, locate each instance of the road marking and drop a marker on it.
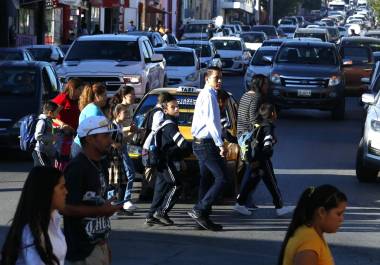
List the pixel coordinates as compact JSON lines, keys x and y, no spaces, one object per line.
{"x":340,"y":172}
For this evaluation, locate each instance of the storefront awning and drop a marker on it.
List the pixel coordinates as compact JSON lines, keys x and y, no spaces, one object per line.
{"x":108,"y":3}
{"x":151,"y":9}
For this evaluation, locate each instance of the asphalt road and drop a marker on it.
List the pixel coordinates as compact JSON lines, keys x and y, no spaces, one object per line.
{"x":312,"y":150}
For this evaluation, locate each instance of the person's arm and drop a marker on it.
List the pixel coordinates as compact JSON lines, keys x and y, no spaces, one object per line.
{"x":40,"y":130}
{"x":107,"y":209}
{"x":28,"y":249}
{"x":267,"y":141}
{"x":306,"y":257}
{"x":181,"y":144}
{"x":254,"y":109}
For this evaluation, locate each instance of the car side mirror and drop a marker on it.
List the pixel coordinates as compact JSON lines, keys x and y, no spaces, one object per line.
{"x":365,"y":80}
{"x":368,"y":99}
{"x":157,"y":57}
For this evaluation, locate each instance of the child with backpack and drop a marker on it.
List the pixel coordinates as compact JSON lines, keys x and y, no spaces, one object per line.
{"x":44,"y":151}
{"x":262,"y":142}
{"x":169,"y":147}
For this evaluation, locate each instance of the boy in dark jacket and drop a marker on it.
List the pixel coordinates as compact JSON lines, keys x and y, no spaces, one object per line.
{"x":172,"y":148}
{"x":261,"y":167}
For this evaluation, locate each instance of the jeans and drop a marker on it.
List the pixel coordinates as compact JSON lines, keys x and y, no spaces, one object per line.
{"x":130,"y":172}
{"x":213,"y":175}
{"x":252,"y":178}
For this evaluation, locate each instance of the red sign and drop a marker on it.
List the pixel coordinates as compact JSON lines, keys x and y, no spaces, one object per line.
{"x":108,"y":3}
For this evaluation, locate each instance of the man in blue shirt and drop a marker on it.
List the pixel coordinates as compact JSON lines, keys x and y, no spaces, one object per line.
{"x":209,"y":149}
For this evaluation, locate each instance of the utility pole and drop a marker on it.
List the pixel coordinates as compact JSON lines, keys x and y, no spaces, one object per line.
{"x":270,"y":12}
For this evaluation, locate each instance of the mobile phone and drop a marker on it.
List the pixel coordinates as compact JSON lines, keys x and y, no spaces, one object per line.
{"x":119,"y":202}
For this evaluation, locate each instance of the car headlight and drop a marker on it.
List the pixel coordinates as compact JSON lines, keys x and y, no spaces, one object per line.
{"x":375,"y":125}
{"x":17,"y":125}
{"x":275,"y":79}
{"x":192,"y":77}
{"x":334,"y":80}
{"x":238,"y":58}
{"x":132,"y":79}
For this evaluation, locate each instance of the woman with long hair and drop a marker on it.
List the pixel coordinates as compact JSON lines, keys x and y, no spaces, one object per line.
{"x":66,"y":121}
{"x":91,"y":102}
{"x":35,"y":236}
{"x":319,"y":210}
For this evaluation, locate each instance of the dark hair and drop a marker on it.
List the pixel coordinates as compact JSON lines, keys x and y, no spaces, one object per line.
{"x":266,"y":111}
{"x":211,"y":70}
{"x":163,"y":97}
{"x":168,"y":98}
{"x":34,"y":211}
{"x":119,"y":108}
{"x":222,"y":95}
{"x":49,"y":106}
{"x":257,"y":83}
{"x":325,"y":196}
{"x":117,"y":99}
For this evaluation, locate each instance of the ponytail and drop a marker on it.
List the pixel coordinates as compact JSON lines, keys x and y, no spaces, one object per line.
{"x":89,"y":93}
{"x":311,"y":200}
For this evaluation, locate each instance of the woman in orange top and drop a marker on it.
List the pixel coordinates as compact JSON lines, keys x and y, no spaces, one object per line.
{"x":319,"y":210}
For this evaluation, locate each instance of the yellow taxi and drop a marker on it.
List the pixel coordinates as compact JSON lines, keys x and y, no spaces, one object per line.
{"x":186,"y":97}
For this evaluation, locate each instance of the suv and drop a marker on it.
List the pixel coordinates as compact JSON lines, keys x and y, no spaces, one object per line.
{"x":319,"y":33}
{"x":24,"y":88}
{"x":155,"y":37}
{"x":196,"y":30}
{"x":115,"y":60}
{"x":308,"y":75}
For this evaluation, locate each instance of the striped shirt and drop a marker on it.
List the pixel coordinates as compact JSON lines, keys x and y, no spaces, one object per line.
{"x":247,"y":112}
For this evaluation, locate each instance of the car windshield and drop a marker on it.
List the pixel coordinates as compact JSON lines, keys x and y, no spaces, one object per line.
{"x":195,"y":28}
{"x":288,"y":29}
{"x":104,"y":50}
{"x":268,"y":30}
{"x":41,"y":54}
{"x":337,"y":7}
{"x":356,"y":54}
{"x":201,"y":50}
{"x":186,"y":109}
{"x":375,"y":46}
{"x":252,"y":37}
{"x":227,"y":45}
{"x":334,"y":32}
{"x":174,"y":58}
{"x":321,"y":36}
{"x":286,"y":22}
{"x":307,"y":55}
{"x":11,"y":56}
{"x":258,"y":58}
{"x":16,"y":82}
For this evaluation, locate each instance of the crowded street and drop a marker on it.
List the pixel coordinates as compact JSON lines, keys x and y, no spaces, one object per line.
{"x":312,"y":150}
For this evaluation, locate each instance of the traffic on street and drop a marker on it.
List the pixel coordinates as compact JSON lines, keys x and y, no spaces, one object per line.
{"x":205,"y":135}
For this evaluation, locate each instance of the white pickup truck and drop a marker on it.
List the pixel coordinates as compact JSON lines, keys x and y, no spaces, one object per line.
{"x":115,"y":60}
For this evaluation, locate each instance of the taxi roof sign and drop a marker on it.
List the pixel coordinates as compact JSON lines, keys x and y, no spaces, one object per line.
{"x":187,"y":89}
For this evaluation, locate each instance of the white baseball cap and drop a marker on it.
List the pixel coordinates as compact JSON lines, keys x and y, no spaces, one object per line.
{"x":94,"y":125}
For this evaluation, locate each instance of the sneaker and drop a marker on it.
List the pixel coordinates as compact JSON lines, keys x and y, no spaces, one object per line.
{"x":215,"y":226}
{"x":284,"y":210}
{"x":241,"y":209}
{"x":151,"y":221}
{"x":123,"y":212}
{"x":203,"y":222}
{"x":129,"y":206}
{"x":163,"y":218}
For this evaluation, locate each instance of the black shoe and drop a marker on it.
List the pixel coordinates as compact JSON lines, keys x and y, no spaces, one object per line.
{"x":124,"y":212}
{"x":163,"y":218}
{"x":215,"y":227}
{"x":151,"y":221}
{"x":201,"y":221}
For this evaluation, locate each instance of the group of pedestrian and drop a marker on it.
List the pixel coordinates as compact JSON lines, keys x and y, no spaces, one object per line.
{"x":93,"y":175}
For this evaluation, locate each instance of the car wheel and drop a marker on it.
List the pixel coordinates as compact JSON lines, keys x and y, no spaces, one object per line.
{"x":339,"y":111}
{"x":363,"y":173}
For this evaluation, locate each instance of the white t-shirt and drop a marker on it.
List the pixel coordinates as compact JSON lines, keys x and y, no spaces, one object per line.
{"x":29,"y":255}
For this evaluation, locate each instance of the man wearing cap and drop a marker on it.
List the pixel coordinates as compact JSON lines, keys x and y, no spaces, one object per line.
{"x":86,"y":215}
{"x":131,"y":27}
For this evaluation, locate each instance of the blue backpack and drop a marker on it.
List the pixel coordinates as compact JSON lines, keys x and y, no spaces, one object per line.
{"x":27,"y":130}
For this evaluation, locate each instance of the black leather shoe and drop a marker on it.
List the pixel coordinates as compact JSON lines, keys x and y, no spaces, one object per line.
{"x":164,"y":218}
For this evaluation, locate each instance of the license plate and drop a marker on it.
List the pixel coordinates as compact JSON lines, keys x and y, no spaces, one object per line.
{"x":303,"y":93}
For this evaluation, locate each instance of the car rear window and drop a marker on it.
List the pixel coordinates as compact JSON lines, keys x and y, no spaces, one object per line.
{"x":195,"y":28}
{"x":321,"y":36}
{"x":104,"y":50}
{"x":307,"y":55}
{"x":17,"y":82}
{"x":186,"y":109}
{"x":252,"y":37}
{"x":41,"y":54}
{"x":356,"y":54}
{"x":234,"y":45}
{"x":178,"y":58}
{"x":11,"y":56}
{"x":268,"y":30}
{"x":201,"y":50}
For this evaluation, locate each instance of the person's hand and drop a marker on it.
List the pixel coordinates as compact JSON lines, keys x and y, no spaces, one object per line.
{"x":222,"y":151}
{"x":133,"y":127}
{"x":108,"y":209}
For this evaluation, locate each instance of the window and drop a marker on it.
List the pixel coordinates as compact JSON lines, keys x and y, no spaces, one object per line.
{"x":16,"y":82}
{"x":145,"y":51}
{"x":307,"y":55}
{"x":252,"y":38}
{"x":104,"y":50}
{"x":41,"y":54}
{"x":258,"y":58}
{"x":356,"y":54}
{"x":201,"y":50}
{"x":227,"y":45}
{"x":178,"y":58}
{"x":149,"y":48}
{"x":52,"y":78}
